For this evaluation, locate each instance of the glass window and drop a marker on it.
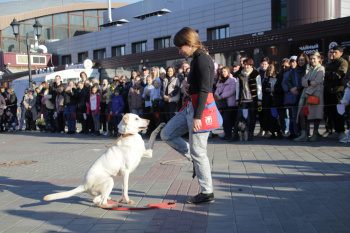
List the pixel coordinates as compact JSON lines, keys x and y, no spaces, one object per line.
{"x":47,"y":33}
{"x":99,"y":54}
{"x":29,"y":21}
{"x":139,"y":47}
{"x":91,"y":23}
{"x":66,"y":59}
{"x":162,"y":43}
{"x":61,"y":33}
{"x":46,"y":20}
{"x":61,"y":20}
{"x":76,"y":21}
{"x":100,"y":12}
{"x":8,"y":32}
{"x":92,"y":13}
{"x":118,"y":51}
{"x":218,"y":33}
{"x":77,"y":12}
{"x":10,"y":45}
{"x":26,"y":29}
{"x":24,"y":45}
{"x":76,"y":32}
{"x":82,"y":56}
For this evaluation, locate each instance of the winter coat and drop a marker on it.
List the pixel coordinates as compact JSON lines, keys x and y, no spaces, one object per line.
{"x":315,"y":110}
{"x":227,"y":90}
{"x":60,"y":102}
{"x":117,"y":104}
{"x":173,"y":89}
{"x":135,"y":99}
{"x":98,"y":101}
{"x":50,"y":98}
{"x":2,"y":105}
{"x":29,"y":104}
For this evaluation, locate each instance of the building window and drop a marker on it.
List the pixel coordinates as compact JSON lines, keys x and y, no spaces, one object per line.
{"x":118,"y":50}
{"x":139,"y":47}
{"x":279,"y":13}
{"x":162,"y":43}
{"x":82,"y":56}
{"x":218,"y":32}
{"x":35,"y":60}
{"x":67,"y":59}
{"x":99,"y":54}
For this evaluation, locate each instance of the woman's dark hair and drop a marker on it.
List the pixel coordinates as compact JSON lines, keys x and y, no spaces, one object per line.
{"x":170,"y":67}
{"x":249,"y":61}
{"x":188,"y":36}
{"x":307,"y":59}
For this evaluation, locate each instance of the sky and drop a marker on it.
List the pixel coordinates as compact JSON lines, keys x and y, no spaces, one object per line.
{"x":130,"y":1}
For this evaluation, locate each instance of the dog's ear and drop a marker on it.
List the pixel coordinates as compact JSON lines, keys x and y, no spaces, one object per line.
{"x":126,"y":119}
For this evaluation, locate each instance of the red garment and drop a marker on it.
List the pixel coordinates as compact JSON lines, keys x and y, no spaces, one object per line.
{"x":98,"y":101}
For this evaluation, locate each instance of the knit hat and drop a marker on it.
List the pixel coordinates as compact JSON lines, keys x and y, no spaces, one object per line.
{"x":162,"y":70}
{"x":293,"y":58}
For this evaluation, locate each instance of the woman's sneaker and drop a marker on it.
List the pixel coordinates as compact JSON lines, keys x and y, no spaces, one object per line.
{"x":201,"y":198}
{"x":346,"y":139}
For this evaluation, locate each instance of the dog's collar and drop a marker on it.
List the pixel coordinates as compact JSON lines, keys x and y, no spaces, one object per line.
{"x":120,"y":138}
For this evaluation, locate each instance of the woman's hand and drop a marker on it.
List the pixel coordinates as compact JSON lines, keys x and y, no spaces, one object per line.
{"x":306,"y":96}
{"x":197,"y":124}
{"x":220,"y":98}
{"x":259,"y":103}
{"x":313,"y":83}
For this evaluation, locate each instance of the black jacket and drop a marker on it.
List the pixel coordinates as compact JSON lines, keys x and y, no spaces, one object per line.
{"x":201,"y":79}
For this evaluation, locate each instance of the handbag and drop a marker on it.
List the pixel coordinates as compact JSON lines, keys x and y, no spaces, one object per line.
{"x":222,"y":104}
{"x":211,"y":117}
{"x":28,"y":115}
{"x":313,"y":100}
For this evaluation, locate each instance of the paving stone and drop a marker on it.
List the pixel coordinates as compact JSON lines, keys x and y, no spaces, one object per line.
{"x":281,"y":186}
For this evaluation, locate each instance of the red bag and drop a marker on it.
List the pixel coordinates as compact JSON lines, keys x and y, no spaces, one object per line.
{"x":211,"y":117}
{"x":313,"y":100}
{"x":305,"y":110}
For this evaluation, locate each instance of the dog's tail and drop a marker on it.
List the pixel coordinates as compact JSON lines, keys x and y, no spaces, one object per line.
{"x":62,"y":195}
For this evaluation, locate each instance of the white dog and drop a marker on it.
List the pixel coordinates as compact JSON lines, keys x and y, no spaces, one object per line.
{"x":119,"y":160}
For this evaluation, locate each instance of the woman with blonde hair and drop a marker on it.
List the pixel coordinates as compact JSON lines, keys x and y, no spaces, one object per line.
{"x":312,"y":83}
{"x":200,"y":79}
{"x":155,"y":73}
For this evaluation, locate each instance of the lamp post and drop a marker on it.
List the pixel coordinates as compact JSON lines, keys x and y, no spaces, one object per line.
{"x":37,"y":31}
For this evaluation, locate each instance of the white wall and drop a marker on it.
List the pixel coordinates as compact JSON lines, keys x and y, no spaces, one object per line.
{"x":345,"y":8}
{"x":243,"y":17}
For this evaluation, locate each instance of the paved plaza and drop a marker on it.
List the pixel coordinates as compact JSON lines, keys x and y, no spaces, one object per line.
{"x":261,"y":186}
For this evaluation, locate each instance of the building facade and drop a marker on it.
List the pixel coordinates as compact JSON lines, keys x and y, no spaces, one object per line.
{"x":229,"y":28}
{"x":60,"y":20}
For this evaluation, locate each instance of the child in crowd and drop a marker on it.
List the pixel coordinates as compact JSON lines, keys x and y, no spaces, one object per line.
{"x":40,"y":122}
{"x":60,"y":109}
{"x":94,"y":108}
{"x":147,"y":114}
{"x":116,"y":109}
{"x":157,"y":103}
{"x":9,"y":121}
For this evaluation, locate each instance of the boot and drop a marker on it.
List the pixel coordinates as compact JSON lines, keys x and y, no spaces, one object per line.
{"x":302,"y":138}
{"x":314,"y":137}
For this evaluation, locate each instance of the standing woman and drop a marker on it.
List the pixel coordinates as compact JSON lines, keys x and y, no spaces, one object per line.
{"x":226,"y":89}
{"x":200,"y":79}
{"x":313,"y":86}
{"x":171,"y":93}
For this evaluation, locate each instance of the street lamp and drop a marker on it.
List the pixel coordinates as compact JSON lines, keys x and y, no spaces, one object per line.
{"x":37,"y":31}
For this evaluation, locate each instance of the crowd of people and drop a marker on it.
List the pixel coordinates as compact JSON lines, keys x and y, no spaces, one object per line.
{"x":286,"y":99}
